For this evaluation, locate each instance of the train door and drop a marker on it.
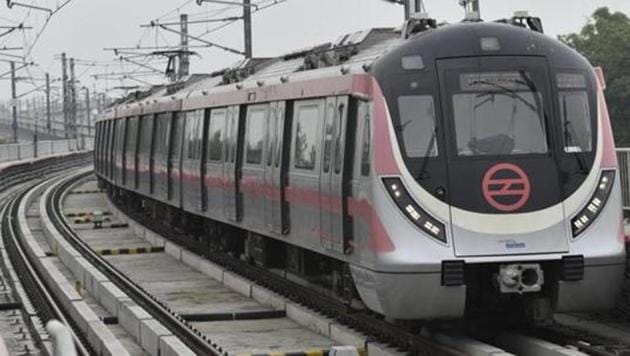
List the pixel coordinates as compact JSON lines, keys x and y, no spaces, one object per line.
{"x":175,"y":159}
{"x":274,"y":197}
{"x":214,"y":162}
{"x":252,"y":183}
{"x":231,"y":171}
{"x":333,"y":205}
{"x":504,"y":184}
{"x":304,"y":171}
{"x":191,"y":161}
{"x":145,"y":157}
{"x":160,"y":154}
{"x":131,"y":143}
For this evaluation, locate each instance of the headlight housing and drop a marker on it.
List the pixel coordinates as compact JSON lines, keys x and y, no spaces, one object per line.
{"x":595,"y":205}
{"x":412,"y":210}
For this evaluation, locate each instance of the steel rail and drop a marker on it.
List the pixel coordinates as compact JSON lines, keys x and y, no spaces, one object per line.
{"x":187,"y":333}
{"x":46,"y":306}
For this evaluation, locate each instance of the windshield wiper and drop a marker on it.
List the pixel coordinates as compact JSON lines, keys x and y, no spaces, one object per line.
{"x":425,"y":161}
{"x":569,"y":132}
{"x":507,"y":92}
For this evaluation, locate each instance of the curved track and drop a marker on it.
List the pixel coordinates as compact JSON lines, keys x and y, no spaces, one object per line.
{"x":21,"y":179}
{"x":192,"y":337}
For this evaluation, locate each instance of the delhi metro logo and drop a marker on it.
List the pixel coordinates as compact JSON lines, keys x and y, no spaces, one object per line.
{"x":506,"y":187}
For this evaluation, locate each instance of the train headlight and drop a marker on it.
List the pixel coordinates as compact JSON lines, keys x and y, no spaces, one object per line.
{"x":412,"y":210}
{"x":589,"y":213}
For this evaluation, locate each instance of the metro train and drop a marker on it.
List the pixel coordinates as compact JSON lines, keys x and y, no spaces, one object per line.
{"x":426,"y":171}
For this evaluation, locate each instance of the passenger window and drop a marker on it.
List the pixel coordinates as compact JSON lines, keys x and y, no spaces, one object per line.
{"x":120,"y":135}
{"x":255,"y":134}
{"x":231,"y":138}
{"x":575,"y":113}
{"x":215,"y":134}
{"x":145,"y":135}
{"x":194,"y":127}
{"x":417,"y":124}
{"x":272,"y":135}
{"x":280,"y":141}
{"x":176,"y":139}
{"x":328,"y":136}
{"x":367,"y":142}
{"x":339,"y":140}
{"x":132,"y":134}
{"x":162,"y":133}
{"x":306,"y":136}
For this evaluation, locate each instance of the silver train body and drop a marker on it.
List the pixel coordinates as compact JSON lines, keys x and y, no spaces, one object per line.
{"x":467,"y":163}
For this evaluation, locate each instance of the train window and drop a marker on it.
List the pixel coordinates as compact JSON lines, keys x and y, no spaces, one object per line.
{"x":162,"y":132}
{"x":417,"y":125}
{"x":177,"y":135}
{"x":576,"y":121}
{"x":255,"y":134}
{"x":232,"y":135}
{"x":367,"y":140}
{"x":272,"y":135}
{"x":144,"y":144}
{"x":496,"y":114}
{"x":328,"y":136}
{"x":280,"y":113}
{"x":306,"y":136}
{"x":132,"y":134}
{"x":339,"y":139}
{"x":215,"y":134}
{"x":120,"y":135}
{"x":194,"y":133}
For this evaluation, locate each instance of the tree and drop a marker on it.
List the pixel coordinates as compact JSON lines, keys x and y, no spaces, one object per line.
{"x":605,"y":42}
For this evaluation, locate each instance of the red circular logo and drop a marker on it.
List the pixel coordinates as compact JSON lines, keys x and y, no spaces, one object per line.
{"x":506,"y":187}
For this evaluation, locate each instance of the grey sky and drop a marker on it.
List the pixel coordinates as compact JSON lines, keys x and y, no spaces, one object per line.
{"x":85,"y":27}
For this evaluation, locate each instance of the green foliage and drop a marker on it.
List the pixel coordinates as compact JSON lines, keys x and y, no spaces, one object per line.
{"x":605,"y":42}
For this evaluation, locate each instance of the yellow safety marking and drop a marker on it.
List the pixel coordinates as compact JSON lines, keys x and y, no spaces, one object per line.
{"x":128,"y":250}
{"x":314,"y":352}
{"x":276,"y":354}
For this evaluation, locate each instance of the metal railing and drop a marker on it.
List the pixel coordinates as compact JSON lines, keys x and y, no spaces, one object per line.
{"x":22,"y":151}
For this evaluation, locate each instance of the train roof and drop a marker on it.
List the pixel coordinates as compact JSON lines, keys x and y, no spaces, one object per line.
{"x":352,"y":53}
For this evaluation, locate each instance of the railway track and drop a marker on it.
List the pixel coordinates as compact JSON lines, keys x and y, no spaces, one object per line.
{"x":405,"y":339}
{"x":28,"y":305}
{"x":187,"y":333}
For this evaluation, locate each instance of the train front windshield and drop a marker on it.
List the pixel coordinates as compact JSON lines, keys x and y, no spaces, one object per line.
{"x":499,"y":113}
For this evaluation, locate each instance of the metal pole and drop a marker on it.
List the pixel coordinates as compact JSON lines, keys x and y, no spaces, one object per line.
{"x":64,"y":89}
{"x":184,"y":60}
{"x":14,"y":124}
{"x":412,"y":7}
{"x":475,"y":7}
{"x":48,"y":113}
{"x":36,"y":124}
{"x":87,"y":110}
{"x":73,"y":100}
{"x":247,"y":21}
